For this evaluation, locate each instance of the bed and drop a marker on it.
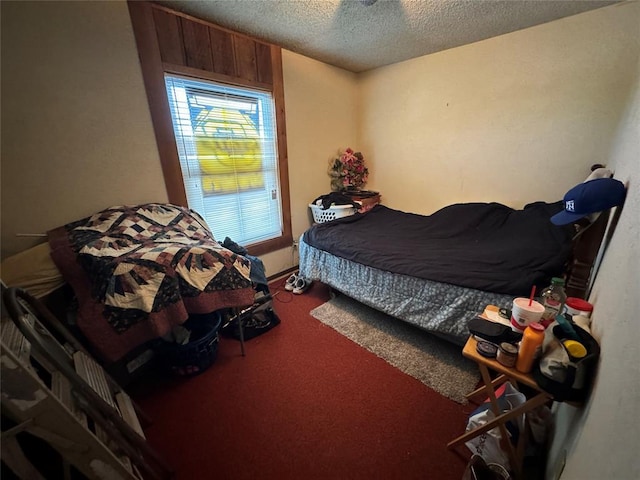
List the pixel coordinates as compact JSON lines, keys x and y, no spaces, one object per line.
{"x":438,"y":271}
{"x":138,"y":271}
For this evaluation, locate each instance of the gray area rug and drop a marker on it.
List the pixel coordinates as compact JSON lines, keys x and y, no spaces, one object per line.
{"x":433,"y":361}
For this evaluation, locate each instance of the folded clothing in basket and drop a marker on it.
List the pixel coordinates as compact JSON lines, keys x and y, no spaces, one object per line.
{"x":335,"y":198}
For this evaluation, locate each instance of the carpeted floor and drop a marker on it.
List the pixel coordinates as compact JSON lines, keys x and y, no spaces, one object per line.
{"x":435,"y":362}
{"x":305,"y":403}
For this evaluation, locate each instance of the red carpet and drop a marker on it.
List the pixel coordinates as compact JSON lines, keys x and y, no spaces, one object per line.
{"x":304,"y":403}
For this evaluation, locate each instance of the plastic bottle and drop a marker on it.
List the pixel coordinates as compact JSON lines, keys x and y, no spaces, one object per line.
{"x":553,"y":299}
{"x":578,"y":306}
{"x":529,"y":347}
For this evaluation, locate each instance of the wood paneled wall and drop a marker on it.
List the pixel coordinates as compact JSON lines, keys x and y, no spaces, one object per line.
{"x":172,"y":42}
{"x":186,"y":43}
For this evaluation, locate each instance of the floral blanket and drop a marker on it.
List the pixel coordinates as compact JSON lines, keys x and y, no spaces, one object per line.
{"x":139,"y":270}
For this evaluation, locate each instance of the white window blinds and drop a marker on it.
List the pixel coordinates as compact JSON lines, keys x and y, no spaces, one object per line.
{"x":226,"y":139}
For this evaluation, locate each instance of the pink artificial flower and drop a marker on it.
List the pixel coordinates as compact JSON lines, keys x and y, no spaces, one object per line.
{"x":350,"y":168}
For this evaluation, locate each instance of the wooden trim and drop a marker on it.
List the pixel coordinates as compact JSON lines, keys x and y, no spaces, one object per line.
{"x":283,"y":158}
{"x":205,"y":22}
{"x":244,"y":51}
{"x":169,"y":31}
{"x":153,"y":75}
{"x":197,"y":45}
{"x":153,"y":70}
{"x":264,"y":64}
{"x":286,"y":240}
{"x":216,"y":77}
{"x":224,"y":61}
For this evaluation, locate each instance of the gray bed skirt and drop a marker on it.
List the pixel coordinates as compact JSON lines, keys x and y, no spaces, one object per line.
{"x":439,"y":308}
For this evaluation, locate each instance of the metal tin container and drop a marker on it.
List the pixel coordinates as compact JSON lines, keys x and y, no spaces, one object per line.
{"x":507,"y":354}
{"x":486,"y":349}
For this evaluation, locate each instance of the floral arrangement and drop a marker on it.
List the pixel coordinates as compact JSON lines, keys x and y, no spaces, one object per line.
{"x":348,"y":171}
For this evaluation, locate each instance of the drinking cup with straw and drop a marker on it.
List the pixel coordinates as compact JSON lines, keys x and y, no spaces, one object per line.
{"x":525,"y":311}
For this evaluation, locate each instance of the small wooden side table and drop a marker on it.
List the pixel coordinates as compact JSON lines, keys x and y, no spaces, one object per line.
{"x":506,"y":373}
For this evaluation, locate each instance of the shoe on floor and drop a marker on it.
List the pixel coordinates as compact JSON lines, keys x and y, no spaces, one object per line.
{"x":301,"y":285}
{"x":290,"y":282}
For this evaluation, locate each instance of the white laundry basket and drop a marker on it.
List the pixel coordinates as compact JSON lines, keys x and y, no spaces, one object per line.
{"x":335,"y":211}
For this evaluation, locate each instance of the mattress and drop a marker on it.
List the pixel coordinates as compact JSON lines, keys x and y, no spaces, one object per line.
{"x":440,"y":308}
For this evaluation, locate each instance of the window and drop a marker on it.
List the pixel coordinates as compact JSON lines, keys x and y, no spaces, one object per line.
{"x":226,"y":141}
{"x":216,"y":99}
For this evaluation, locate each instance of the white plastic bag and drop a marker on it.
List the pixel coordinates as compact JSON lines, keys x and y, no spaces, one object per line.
{"x":487,"y":445}
{"x":478,"y":469}
{"x":540,"y":421}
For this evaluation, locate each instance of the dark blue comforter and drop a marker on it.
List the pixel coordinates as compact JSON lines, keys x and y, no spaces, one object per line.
{"x":486,"y":246}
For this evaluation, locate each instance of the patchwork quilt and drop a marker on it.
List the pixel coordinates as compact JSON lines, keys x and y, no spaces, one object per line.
{"x":139,"y":270}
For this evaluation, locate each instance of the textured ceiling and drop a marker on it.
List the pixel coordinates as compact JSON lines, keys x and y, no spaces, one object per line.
{"x":355,"y":36}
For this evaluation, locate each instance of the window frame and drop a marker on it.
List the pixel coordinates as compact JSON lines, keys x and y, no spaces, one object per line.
{"x":151,"y":22}
{"x":254,"y":209}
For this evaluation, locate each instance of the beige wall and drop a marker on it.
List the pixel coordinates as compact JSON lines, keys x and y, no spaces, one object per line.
{"x":76,"y":129}
{"x":601,"y":440}
{"x":520,"y":118}
{"x":512,"y":119}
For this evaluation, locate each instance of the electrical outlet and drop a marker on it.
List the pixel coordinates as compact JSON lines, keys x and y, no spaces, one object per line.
{"x":295,"y":244}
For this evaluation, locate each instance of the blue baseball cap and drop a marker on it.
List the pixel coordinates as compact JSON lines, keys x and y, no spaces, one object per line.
{"x":590,"y":197}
